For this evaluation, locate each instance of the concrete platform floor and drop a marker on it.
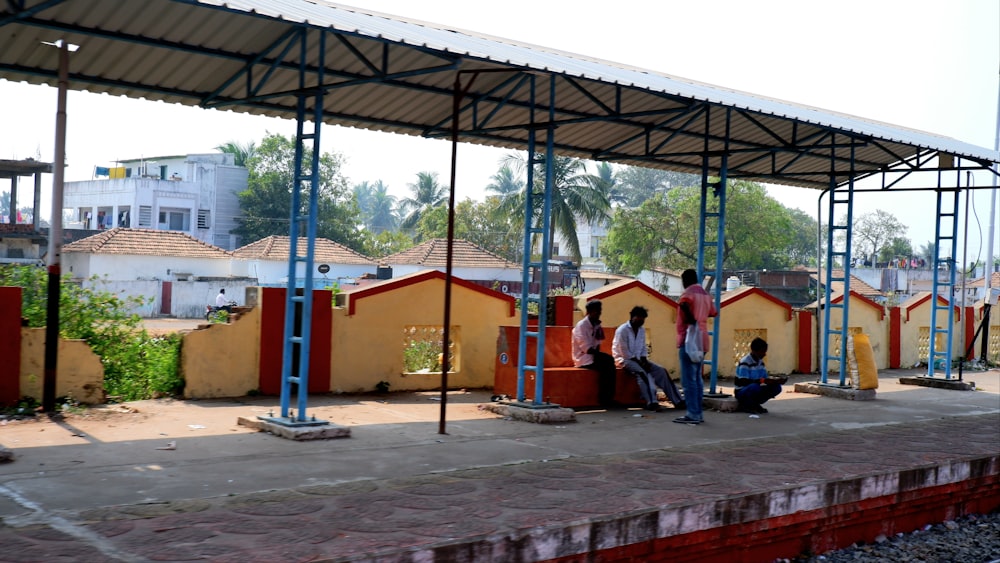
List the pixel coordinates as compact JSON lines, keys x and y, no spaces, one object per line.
{"x":173,"y":480}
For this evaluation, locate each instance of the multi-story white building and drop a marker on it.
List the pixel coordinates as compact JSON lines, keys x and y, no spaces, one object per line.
{"x":194,"y":194}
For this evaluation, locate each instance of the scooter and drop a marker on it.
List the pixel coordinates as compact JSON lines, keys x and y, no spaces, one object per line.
{"x":211,"y":310}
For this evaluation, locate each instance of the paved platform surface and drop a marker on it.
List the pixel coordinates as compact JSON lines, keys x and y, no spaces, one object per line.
{"x":181,"y":481}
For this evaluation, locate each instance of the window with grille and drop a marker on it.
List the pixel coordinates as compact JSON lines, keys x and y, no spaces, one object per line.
{"x":203,"y":218}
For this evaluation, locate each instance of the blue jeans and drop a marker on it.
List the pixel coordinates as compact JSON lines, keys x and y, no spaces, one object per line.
{"x":694,"y":386}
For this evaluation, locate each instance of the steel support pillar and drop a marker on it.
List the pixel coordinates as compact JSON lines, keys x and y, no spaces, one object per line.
{"x":839,"y":199}
{"x":298,"y":306}
{"x":539,"y":227}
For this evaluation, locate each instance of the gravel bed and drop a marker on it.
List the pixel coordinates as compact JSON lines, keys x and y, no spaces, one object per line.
{"x":970,"y":539}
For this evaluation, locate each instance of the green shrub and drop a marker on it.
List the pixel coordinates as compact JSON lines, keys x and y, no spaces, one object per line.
{"x":421,"y":355}
{"x":136,"y":365}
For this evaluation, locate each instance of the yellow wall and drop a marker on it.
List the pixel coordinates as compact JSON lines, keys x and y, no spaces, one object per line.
{"x":367,"y":347}
{"x":222,"y":360}
{"x":751,"y":313}
{"x":909,"y":333}
{"x":871,"y":321}
{"x":79,"y":373}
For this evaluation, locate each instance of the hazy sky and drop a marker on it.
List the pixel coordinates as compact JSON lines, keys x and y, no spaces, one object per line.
{"x":922,"y":64}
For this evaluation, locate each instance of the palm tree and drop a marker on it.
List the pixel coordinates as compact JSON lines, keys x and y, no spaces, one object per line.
{"x":242,"y":152}
{"x":575,"y":193}
{"x":505,"y":182}
{"x":382,"y":209}
{"x":427,"y":194}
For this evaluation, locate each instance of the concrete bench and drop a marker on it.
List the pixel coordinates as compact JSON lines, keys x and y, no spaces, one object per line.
{"x":570,"y":387}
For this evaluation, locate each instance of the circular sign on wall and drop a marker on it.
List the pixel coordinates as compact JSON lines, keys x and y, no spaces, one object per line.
{"x":503,"y":358}
{"x":323,"y":268}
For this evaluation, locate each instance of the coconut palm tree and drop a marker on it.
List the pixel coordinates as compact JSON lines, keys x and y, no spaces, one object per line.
{"x":505,"y":182}
{"x":382,"y":209}
{"x":241,"y":152}
{"x":427,"y":194}
{"x":575,"y":193}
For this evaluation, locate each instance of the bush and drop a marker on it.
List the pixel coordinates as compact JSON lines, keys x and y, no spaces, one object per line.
{"x":136,"y":365}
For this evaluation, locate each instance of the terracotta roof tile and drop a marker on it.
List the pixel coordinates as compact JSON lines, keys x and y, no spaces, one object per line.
{"x":276,"y":248}
{"x":433,"y":253}
{"x":146,"y":242}
{"x":857,"y":286}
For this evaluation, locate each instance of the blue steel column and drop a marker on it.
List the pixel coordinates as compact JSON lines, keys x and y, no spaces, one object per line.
{"x":721,"y":193}
{"x":949,"y":263}
{"x":300,"y":335}
{"x":720,"y":232}
{"x":827,"y":305}
{"x":717,"y":289}
{"x":526,"y":262}
{"x":543,"y":290}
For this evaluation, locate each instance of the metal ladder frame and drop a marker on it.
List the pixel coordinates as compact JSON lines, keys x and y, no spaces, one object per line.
{"x":948,"y":307}
{"x":846,"y":198}
{"x":298,"y":335}
{"x":719,"y":190}
{"x":538,"y":368}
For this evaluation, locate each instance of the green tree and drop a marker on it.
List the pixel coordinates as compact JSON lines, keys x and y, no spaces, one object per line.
{"x":427,"y":194}
{"x":266,"y":203}
{"x":802,"y":246}
{"x":480,"y":223}
{"x":871,"y":232}
{"x":897,"y":248}
{"x":636,"y":184}
{"x":242,"y":152}
{"x":575,"y":194}
{"x":384,"y":243}
{"x":382,"y":209}
{"x":377,"y":206}
{"x":505,"y":182}
{"x":663,"y":231}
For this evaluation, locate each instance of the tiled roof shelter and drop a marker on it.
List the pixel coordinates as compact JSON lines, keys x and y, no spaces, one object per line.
{"x":433,"y":253}
{"x":146,"y":242}
{"x":276,"y":247}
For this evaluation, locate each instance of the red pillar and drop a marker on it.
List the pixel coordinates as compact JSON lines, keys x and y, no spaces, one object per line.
{"x":805,"y":329}
{"x":970,"y":331}
{"x":895,"y":336}
{"x":272,"y":340}
{"x":563,"y":310}
{"x":10,"y":344}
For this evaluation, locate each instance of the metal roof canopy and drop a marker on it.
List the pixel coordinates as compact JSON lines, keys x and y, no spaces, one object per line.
{"x":389,"y":74}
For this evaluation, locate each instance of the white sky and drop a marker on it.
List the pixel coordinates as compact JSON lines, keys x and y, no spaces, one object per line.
{"x":923,"y":64}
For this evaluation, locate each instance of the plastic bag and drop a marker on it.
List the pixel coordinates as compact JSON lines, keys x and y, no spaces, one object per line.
{"x":693,"y":344}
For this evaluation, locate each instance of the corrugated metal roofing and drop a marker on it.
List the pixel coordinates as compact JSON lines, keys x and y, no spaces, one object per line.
{"x":385,"y":73}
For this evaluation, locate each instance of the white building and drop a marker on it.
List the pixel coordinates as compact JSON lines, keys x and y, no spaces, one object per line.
{"x":194,"y":194}
{"x":173,"y":272}
{"x":591,"y":235}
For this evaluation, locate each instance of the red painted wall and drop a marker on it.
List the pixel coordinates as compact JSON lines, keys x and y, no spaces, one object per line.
{"x":272,"y":340}
{"x":10,"y":344}
{"x":816,"y":531}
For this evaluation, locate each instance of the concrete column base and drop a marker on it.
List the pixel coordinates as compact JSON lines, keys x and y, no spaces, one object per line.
{"x":938,"y":383}
{"x":311,"y":432}
{"x":848,"y":393}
